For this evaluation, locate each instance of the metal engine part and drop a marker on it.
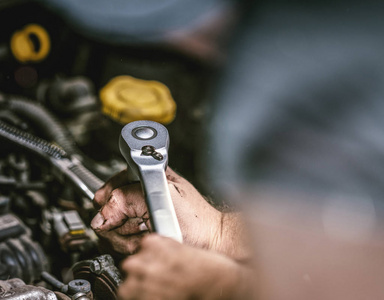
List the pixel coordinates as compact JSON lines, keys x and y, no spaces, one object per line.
{"x":78,"y":289}
{"x":51,"y":190}
{"x":16,"y":289}
{"x":71,"y":231}
{"x":20,"y":257}
{"x":102,"y":274}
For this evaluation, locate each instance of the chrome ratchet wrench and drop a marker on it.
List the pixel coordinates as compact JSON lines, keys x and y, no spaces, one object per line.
{"x":144,"y":145}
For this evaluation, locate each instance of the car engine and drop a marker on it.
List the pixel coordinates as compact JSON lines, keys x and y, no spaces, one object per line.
{"x":60,"y":119}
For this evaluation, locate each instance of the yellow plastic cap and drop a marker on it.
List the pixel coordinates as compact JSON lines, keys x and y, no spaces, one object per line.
{"x":30,"y":44}
{"x":126,"y":99}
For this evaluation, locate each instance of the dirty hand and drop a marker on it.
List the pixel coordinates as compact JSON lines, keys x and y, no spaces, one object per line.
{"x":166,"y":269}
{"x":123,"y":217}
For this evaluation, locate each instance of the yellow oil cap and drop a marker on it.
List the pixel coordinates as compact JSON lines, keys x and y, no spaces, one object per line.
{"x":30,"y":44}
{"x":126,"y":99}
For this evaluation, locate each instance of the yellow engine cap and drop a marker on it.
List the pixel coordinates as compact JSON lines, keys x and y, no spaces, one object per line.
{"x":23,"y":47}
{"x":126,"y":99}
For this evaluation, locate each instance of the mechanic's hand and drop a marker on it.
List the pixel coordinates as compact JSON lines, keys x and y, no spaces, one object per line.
{"x":123,"y":218}
{"x":166,"y":269}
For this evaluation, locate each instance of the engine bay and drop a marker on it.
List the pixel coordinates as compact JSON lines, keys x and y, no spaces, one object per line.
{"x":60,"y":121}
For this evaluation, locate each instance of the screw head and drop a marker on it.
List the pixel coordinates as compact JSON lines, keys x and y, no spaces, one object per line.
{"x":95,"y":267}
{"x":157,"y":155}
{"x":148,"y":150}
{"x":79,"y":286}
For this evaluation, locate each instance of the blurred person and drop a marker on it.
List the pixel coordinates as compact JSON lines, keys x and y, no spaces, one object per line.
{"x":296,"y":144}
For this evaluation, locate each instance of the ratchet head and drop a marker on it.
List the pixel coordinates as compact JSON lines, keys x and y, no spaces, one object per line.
{"x":144,"y":143}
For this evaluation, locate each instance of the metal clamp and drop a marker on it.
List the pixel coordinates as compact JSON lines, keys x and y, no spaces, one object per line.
{"x":144,"y":145}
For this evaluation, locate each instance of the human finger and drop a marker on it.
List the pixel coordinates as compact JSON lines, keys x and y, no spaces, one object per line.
{"x":102,"y":195}
{"x":124,"y":203}
{"x":117,"y":245}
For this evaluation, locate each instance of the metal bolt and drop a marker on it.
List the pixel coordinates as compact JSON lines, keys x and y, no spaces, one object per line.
{"x":95,"y":267}
{"x":157,"y":155}
{"x":148,"y":150}
{"x":79,"y":285}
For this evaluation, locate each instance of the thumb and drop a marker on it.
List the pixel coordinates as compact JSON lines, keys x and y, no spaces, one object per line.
{"x":109,"y":217}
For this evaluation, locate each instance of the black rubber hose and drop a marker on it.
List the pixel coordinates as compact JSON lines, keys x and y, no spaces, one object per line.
{"x":44,"y":121}
{"x":51,"y":129}
{"x":37,"y":255}
{"x":23,"y":259}
{"x":8,"y":259}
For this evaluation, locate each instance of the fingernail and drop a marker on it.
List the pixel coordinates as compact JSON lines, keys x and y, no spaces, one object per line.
{"x":143,"y":227}
{"x":97,"y":221}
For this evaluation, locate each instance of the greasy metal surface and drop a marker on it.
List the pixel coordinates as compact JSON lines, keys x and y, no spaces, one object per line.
{"x":16,"y":289}
{"x":102,"y":274}
{"x":61,"y":296}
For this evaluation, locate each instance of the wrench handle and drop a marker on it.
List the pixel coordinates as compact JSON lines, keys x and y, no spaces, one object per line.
{"x":159,"y":202}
